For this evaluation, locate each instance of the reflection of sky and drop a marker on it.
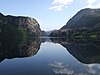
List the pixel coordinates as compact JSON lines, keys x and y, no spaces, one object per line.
{"x":65,"y":69}
{"x":93,"y":69}
{"x":59,"y":68}
{"x":53,"y":49}
{"x":68,"y":65}
{"x":60,"y":61}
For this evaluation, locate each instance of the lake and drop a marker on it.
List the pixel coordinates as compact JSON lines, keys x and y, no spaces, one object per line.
{"x":50,"y":56}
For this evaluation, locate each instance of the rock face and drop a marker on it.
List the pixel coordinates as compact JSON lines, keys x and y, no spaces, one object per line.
{"x":23,"y":24}
{"x":84,"y":22}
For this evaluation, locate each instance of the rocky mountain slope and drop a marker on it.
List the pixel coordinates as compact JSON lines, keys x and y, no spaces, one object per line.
{"x":84,"y":18}
{"x":18,"y":25}
{"x":86,"y":21}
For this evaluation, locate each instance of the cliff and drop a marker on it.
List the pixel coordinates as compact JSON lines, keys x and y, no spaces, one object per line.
{"x":14,"y":25}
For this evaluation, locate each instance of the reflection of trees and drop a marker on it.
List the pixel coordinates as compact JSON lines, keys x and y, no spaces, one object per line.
{"x":16,"y":48}
{"x":83,"y":50}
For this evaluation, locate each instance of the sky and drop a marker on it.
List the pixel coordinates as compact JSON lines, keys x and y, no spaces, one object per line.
{"x":51,"y":14}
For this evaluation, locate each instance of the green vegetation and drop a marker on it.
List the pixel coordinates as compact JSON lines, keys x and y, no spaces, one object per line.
{"x":93,"y":36}
{"x":78,"y":36}
{"x":14,"y":31}
{"x":23,"y":32}
{"x":23,"y":35}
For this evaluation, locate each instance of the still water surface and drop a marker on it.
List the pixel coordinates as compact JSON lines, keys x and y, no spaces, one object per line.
{"x":55,"y":57}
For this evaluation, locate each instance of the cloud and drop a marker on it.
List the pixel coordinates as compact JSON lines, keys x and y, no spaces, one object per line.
{"x":93,"y":69}
{"x":66,"y":69}
{"x":59,"y":68}
{"x":90,"y":2}
{"x":59,"y":5}
{"x":93,"y":4}
{"x":57,"y":8}
{"x":62,"y":2}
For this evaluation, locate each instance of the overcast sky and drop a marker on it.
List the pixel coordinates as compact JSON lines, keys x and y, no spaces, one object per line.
{"x":51,"y":14}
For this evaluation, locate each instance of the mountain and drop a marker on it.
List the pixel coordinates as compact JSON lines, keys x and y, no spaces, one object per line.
{"x":45,"y":33}
{"x":85,"y":22}
{"x":18,"y":26}
{"x":88,"y":18}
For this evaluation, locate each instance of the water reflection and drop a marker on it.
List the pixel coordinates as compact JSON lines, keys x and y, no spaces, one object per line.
{"x":49,"y":56}
{"x":65,"y":69}
{"x":86,"y":51}
{"x":61,"y":68}
{"x":17,"y":48}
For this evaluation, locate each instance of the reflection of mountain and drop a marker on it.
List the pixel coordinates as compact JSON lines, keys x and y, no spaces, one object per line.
{"x":13,"y":48}
{"x":85,"y":51}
